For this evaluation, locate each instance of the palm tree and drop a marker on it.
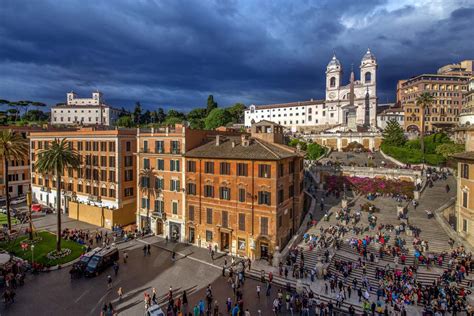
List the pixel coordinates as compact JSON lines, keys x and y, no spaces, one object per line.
{"x":13,"y":146}
{"x":424,"y":101}
{"x":146,"y":186}
{"x":54,"y":160}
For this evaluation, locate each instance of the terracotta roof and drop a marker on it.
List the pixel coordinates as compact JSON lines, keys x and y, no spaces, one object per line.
{"x":290,"y":104}
{"x":256,"y":150}
{"x":468,"y":155}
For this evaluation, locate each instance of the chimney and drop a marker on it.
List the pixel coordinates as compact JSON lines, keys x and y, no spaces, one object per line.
{"x":244,"y":140}
{"x":233,"y":144}
{"x":218,"y":140}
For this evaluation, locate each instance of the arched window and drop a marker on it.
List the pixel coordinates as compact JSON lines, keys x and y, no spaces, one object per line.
{"x":332,"y":82}
{"x":368,"y":77}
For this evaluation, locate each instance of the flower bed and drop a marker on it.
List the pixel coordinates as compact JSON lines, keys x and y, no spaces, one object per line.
{"x":54,"y":255}
{"x":370,"y":185}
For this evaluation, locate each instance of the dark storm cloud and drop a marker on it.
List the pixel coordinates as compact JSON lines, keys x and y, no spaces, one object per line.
{"x":175,"y":53}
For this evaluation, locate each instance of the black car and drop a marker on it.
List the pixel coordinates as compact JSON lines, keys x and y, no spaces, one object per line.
{"x":101,"y":260}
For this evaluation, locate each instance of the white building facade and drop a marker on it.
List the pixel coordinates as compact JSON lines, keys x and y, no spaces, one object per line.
{"x":84,"y":111}
{"x":332,"y":110}
{"x":396,"y":114}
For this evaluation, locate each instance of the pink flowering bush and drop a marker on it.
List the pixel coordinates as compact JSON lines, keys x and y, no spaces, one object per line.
{"x":370,"y":185}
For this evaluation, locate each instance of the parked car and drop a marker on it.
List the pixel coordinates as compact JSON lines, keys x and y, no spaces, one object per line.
{"x":18,"y":200}
{"x":155,"y":310}
{"x":102,"y":260}
{"x":79,"y":267}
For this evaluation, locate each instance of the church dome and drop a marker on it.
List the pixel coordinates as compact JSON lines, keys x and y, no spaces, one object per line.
{"x":368,"y":57}
{"x":334,"y":64}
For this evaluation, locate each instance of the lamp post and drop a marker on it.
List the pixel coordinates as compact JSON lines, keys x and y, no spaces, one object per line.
{"x":32,"y":254}
{"x":28,"y":203}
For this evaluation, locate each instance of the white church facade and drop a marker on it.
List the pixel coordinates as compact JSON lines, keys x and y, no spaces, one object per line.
{"x":331,"y":111}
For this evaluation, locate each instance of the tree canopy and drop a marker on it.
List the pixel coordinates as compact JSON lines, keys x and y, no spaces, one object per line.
{"x":217,"y":117}
{"x":393,"y":134}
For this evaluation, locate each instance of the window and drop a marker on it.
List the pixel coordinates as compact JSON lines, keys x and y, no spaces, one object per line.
{"x":368,"y":77}
{"x":145,"y":203}
{"x":111,"y":162}
{"x":209,"y":216}
{"x":128,"y":146}
{"x":208,"y":235}
{"x":174,"y":185}
{"x":242,"y":169}
{"x":281,"y":169}
{"x":209,"y":167}
{"x":112,"y":193}
{"x":79,"y":187}
{"x":191,"y":190}
{"x":103,"y":191}
{"x":280,"y":220}
{"x":128,"y":175}
{"x":224,"y":193}
{"x":465,"y":171}
{"x":281,"y":196}
{"x":242,"y":244}
{"x":241,"y":195}
{"x":191,"y":166}
{"x":128,"y":161}
{"x":225,"y":168}
{"x":159,"y":146}
{"x":264,"y":226}
{"x":332,"y":82}
{"x":111,"y":176}
{"x":209,"y":191}
{"x":174,"y":206}
{"x":128,"y":192}
{"x":291,"y":166}
{"x":175,"y":147}
{"x":103,"y":175}
{"x":174,"y":165}
{"x":159,"y":206}
{"x":103,"y":161}
{"x":264,"y":171}
{"x":103,"y":146}
{"x":464,"y":225}
{"x":242,"y":221}
{"x":145,"y":182}
{"x":464,"y":198}
{"x":159,"y":183}
{"x":145,"y":146}
{"x":160,"y":164}
{"x":146,"y":163}
{"x":225,"y":219}
{"x":291,"y":191}
{"x":264,"y":197}
{"x":191,"y":213}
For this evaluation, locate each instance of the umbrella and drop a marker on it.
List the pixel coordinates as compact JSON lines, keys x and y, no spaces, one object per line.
{"x":36,"y":208}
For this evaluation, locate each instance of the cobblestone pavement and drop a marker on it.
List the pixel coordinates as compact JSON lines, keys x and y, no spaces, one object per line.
{"x":360,"y":159}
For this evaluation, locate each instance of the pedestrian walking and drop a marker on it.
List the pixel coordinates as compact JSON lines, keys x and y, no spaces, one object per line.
{"x":120,"y":293}
{"x":109,"y":282}
{"x":258,"y":291}
{"x":212,"y":254}
{"x":148,"y":249}
{"x":144,"y":250}
{"x":154,"y":297}
{"x":125,"y":257}
{"x":116,"y":268}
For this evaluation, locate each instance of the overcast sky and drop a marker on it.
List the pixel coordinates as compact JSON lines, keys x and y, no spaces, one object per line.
{"x":174,"y":53}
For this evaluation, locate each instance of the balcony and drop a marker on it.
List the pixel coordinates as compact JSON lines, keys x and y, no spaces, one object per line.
{"x":175,"y":151}
{"x":144,"y":150}
{"x":159,"y":214}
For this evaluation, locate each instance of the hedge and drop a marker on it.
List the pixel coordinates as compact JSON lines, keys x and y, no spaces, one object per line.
{"x":411,"y":155}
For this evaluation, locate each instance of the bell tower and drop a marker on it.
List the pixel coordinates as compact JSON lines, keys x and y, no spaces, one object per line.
{"x":333,"y":78}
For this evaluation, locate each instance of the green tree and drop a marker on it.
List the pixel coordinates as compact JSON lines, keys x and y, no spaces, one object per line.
{"x":237,"y":112}
{"x":160,"y":115}
{"x":314,"y":151}
{"x":53,"y":161}
{"x":217,"y":117}
{"x":449,"y":149}
{"x":424,"y":101}
{"x":196,"y":118}
{"x":393,"y":134}
{"x":35,"y":116}
{"x":146,"y":185}
{"x":295,"y":142}
{"x":172,"y":120}
{"x":13,"y":146}
{"x":137,"y":113}
{"x":125,"y":121}
{"x":211,"y":104}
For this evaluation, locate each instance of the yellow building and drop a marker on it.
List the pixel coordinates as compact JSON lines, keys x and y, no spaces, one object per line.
{"x":465,"y":200}
{"x":103,"y":190}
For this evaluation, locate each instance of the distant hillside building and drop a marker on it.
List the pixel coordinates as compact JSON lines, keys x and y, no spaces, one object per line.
{"x":84,"y":111}
{"x":390,"y":113}
{"x":334,"y":109}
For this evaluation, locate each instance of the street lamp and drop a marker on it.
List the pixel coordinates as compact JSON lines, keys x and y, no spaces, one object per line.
{"x":32,"y":254}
